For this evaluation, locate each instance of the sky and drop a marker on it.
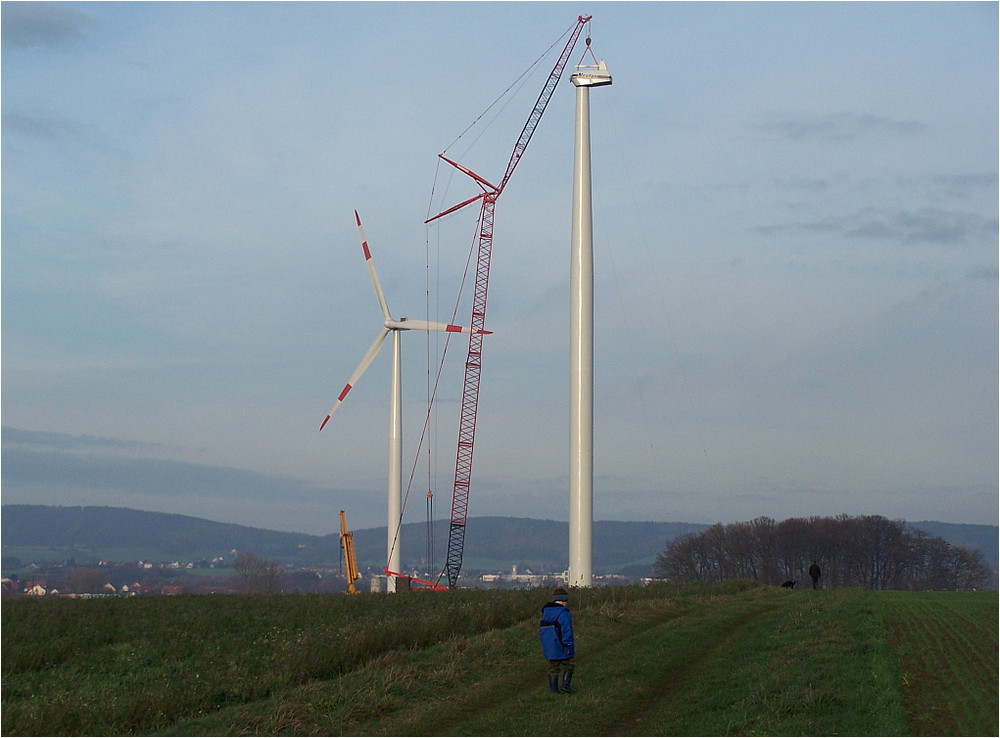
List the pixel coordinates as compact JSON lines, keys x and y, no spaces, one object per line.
{"x":795,"y":238}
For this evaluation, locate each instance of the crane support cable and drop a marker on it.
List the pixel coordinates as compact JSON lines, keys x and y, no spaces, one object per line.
{"x":522,"y":78}
{"x":543,"y":100}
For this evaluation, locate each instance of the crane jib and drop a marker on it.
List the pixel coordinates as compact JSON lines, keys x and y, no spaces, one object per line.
{"x":543,"y":101}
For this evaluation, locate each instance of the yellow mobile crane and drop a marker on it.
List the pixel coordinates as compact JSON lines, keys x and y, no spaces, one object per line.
{"x":351,"y":563}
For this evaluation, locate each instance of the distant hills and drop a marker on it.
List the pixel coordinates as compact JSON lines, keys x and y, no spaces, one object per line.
{"x":492,"y":543}
{"x":90,"y":534}
{"x":986,"y":538}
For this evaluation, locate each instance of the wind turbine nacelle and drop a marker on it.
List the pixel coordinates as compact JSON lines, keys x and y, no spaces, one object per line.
{"x":591,"y":76}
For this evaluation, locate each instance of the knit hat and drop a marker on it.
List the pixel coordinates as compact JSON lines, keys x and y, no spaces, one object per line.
{"x":560,"y":595}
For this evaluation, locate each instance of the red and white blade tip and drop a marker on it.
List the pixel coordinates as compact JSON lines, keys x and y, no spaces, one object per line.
{"x":364,"y":240}
{"x":340,"y":399}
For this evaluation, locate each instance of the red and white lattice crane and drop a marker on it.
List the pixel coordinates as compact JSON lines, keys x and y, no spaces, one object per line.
{"x":470,"y":395}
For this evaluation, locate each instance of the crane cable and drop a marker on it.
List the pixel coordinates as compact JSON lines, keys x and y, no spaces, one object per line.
{"x":432,"y":391}
{"x":518,"y":83}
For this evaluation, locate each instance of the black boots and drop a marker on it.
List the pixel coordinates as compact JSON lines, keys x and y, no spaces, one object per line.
{"x":567,"y":677}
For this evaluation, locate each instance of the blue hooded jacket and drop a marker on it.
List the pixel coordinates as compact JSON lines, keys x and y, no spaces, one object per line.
{"x":556,"y":632}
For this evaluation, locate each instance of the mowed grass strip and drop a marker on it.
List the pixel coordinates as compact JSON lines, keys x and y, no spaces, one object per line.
{"x":817,"y":665}
{"x":947,"y":643}
{"x":637,"y":673}
{"x":629,"y":653}
{"x":439,"y":690}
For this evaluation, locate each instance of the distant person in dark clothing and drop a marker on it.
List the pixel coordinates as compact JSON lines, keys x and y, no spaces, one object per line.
{"x":556,"y":633}
{"x":815,"y":574}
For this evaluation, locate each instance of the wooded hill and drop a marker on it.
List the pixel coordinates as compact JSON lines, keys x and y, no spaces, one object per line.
{"x":90,"y":534}
{"x":860,"y":551}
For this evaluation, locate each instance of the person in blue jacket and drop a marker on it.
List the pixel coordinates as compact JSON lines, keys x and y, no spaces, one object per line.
{"x":556,"y":632}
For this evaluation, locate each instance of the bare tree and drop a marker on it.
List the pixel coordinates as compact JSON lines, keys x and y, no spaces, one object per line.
{"x":87,"y":580}
{"x":255,"y":575}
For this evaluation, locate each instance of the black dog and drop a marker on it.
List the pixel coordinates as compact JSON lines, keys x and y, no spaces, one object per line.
{"x":790,"y":584}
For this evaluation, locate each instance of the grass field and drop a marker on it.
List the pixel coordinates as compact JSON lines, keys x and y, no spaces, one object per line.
{"x":940,"y":637}
{"x":731,"y":659}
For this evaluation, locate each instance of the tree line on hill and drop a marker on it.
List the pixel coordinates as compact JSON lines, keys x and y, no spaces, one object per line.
{"x":852,"y":551}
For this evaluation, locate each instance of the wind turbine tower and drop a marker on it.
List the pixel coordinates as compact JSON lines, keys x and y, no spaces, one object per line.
{"x":581,"y":411}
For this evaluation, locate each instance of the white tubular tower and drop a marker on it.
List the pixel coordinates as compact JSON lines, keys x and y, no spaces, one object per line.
{"x":395,"y":503}
{"x":581,"y":411}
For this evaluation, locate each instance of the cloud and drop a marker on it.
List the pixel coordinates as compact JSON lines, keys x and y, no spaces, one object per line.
{"x":924,"y":225}
{"x":46,"y":127}
{"x":840,"y":127}
{"x":944,"y":227}
{"x":100,"y":462}
{"x":963,"y":185}
{"x":144,"y":476}
{"x":990,"y":273}
{"x":60,"y":468}
{"x":43,"y":440}
{"x":42,"y":24}
{"x":810,"y":185}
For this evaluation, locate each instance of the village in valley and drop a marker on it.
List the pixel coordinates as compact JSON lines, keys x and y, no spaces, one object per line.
{"x":233,"y":574}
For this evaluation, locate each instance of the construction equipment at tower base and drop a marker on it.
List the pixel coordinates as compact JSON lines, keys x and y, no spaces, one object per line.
{"x":350,"y":562}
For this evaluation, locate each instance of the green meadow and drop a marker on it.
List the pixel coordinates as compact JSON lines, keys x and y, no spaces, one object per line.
{"x":730,"y":659}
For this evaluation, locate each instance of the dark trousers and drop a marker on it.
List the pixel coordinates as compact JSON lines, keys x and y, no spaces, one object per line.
{"x":557,"y":665}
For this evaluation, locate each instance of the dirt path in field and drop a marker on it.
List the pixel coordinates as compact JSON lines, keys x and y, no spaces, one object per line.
{"x":665,"y":686}
{"x":669,"y":686}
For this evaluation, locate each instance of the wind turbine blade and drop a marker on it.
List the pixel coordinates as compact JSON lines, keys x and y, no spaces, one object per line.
{"x":371,"y":268}
{"x":365,"y":362}
{"x":425,"y":325}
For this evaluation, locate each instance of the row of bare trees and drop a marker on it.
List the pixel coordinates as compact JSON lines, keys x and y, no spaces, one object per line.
{"x":867,"y":551}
